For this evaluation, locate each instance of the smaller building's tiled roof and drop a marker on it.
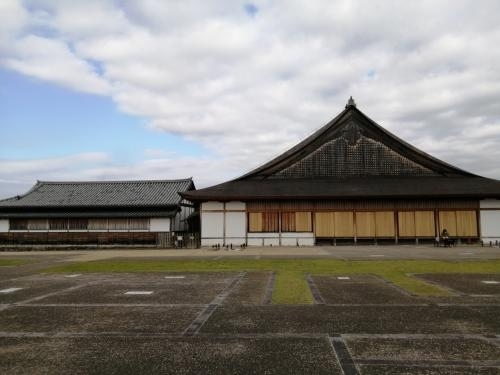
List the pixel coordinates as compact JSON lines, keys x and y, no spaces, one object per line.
{"x":101,"y":194}
{"x":93,"y":214}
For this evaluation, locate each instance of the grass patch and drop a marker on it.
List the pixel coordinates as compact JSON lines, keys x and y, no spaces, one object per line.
{"x":12,"y":262}
{"x":291,"y":286}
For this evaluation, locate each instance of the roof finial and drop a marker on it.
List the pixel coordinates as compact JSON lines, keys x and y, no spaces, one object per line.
{"x":351,"y":103}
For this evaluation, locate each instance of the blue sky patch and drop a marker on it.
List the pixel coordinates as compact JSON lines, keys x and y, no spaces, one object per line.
{"x":251,"y":9}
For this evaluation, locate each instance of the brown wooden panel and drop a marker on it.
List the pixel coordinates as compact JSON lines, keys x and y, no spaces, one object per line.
{"x":288,"y":222}
{"x":303,"y":222}
{"x":365,"y":224}
{"x":406,"y":221}
{"x":448,"y":221}
{"x":362,"y":204}
{"x":270,"y":222}
{"x":114,"y":224}
{"x":98,"y":224}
{"x":344,"y":224}
{"x":466,"y":223}
{"x":425,"y":224}
{"x":384,"y":224}
{"x":324,"y":224}
{"x":255,"y":222}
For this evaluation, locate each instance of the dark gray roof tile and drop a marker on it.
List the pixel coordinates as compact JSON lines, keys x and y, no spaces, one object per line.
{"x":103,"y":194}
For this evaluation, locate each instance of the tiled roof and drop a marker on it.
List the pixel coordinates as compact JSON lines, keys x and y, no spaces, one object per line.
{"x":100,"y":194}
{"x":350,"y":188}
{"x":351,"y":157}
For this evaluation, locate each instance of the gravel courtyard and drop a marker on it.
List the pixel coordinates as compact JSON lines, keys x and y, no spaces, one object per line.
{"x":226,"y":323}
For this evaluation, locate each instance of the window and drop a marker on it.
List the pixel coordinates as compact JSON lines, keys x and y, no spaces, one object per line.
{"x":255,"y":222}
{"x":118,"y":224}
{"x":139,"y":224}
{"x":78,"y":224}
{"x":270,"y":222}
{"x":303,"y":222}
{"x":18,"y":224}
{"x":296,"y":222}
{"x":58,"y":224}
{"x":288,"y":221}
{"x":98,"y":224}
{"x":263,"y":222}
{"x":38,"y":224}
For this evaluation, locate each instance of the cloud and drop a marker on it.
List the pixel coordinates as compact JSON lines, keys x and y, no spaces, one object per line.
{"x":246,"y":88}
{"x":18,"y":175}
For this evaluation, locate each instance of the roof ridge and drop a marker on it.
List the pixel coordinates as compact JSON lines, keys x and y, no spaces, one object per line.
{"x":108,"y":182}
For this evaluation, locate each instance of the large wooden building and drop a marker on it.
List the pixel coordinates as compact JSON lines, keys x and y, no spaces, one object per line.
{"x":97,"y":213}
{"x":350,"y":181}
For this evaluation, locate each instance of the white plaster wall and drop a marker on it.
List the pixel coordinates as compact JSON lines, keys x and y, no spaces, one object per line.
{"x":263,"y":239}
{"x":490,"y":224}
{"x":263,"y":234}
{"x":292,"y":239}
{"x":159,"y":224}
{"x":255,"y":242}
{"x":235,"y":224}
{"x":271,"y":241}
{"x":4,"y":226}
{"x":235,"y":206}
{"x":306,"y":241}
{"x":235,"y":227}
{"x":211,"y":241}
{"x":212,"y":206}
{"x":212,"y":225}
{"x":289,"y":241}
{"x":489,"y":203}
{"x":298,"y":234}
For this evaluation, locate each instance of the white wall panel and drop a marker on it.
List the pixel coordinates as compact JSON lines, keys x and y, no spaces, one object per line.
{"x":298,"y":234}
{"x":255,"y":242}
{"x":489,"y":203}
{"x":490,"y":224}
{"x":271,"y":241}
{"x":235,"y":224}
{"x":289,"y":241}
{"x":212,"y":225}
{"x":235,"y":206}
{"x":263,"y":234}
{"x":4,"y":226}
{"x":212,"y":206}
{"x":159,"y":224}
{"x":211,"y":241}
{"x":306,"y":241}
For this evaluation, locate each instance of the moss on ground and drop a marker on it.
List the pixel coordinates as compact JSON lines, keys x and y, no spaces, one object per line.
{"x":291,"y":286}
{"x":12,"y":262}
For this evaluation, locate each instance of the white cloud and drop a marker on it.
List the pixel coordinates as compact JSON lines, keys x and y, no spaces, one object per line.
{"x":52,"y":60}
{"x":19,"y":175}
{"x":247,"y":87}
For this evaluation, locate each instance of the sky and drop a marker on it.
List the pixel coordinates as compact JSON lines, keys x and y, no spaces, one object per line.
{"x":155,"y":89}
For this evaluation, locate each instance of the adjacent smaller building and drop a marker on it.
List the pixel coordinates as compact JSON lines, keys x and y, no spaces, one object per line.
{"x":97,"y":212}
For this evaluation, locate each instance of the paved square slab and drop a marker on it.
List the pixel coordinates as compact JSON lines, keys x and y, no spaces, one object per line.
{"x":251,"y":290}
{"x":24,"y":289}
{"x":416,"y":349}
{"x":9,"y":290}
{"x":425,"y":370}
{"x":139,"y":292}
{"x":193,"y":289}
{"x":360,"y":289}
{"x":355,"y":319}
{"x":140,"y":355}
{"x":97,"y":319}
{"x":467,"y":283}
